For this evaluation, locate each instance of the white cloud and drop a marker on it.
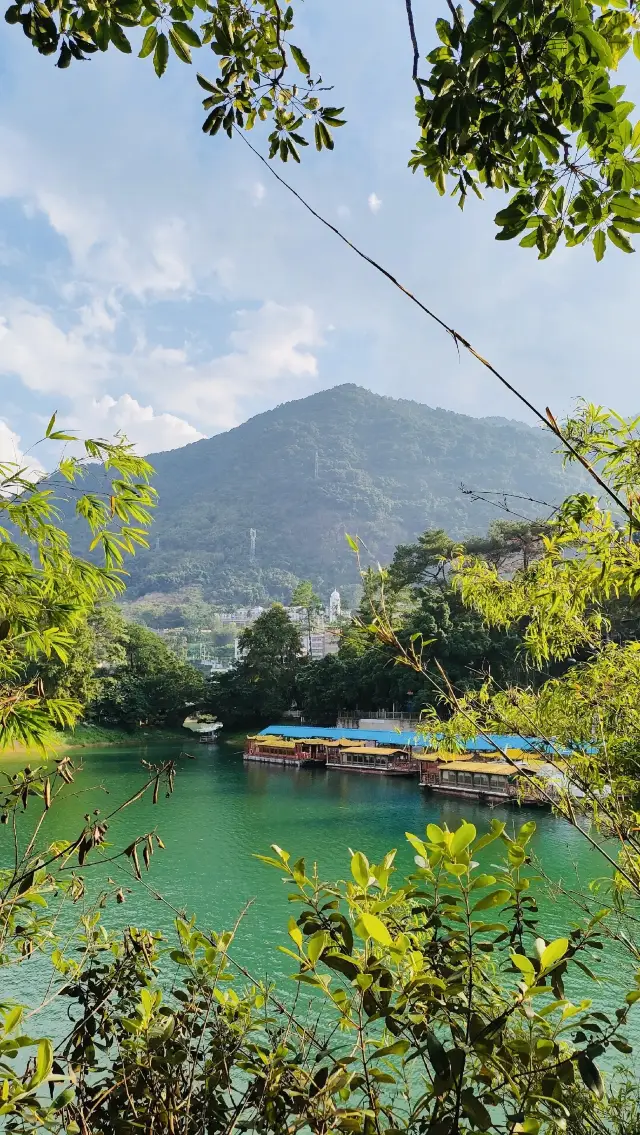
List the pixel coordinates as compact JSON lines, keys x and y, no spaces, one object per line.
{"x":47,"y":358}
{"x":272,"y":357}
{"x":139,"y":250}
{"x":258,"y":192}
{"x":374,"y":203}
{"x":149,"y":431}
{"x":11,"y":453}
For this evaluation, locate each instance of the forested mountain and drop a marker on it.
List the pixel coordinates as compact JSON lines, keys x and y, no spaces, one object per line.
{"x":303,"y":474}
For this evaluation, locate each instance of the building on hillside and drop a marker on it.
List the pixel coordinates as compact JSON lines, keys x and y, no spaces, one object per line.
{"x":321,"y":643}
{"x":240,"y":616}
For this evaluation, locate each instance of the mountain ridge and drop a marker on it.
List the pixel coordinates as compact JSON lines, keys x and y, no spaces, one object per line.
{"x":307,"y":471}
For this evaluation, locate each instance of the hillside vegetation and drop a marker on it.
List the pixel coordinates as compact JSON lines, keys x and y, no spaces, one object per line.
{"x":387,"y":469}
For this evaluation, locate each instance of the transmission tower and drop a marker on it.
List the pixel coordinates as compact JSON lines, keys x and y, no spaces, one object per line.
{"x":252,"y":537}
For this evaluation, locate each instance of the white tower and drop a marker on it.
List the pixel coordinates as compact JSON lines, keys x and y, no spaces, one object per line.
{"x":334,"y":606}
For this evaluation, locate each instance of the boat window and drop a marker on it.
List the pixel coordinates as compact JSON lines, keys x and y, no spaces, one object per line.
{"x":481,"y":779}
{"x":465,"y":778}
{"x":498,"y":781}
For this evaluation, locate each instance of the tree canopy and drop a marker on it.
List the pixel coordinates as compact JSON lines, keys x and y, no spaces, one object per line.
{"x":263,"y":683}
{"x":520,"y":98}
{"x":149,"y":686}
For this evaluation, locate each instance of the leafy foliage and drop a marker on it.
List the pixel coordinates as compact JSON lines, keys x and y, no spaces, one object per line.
{"x":586,"y":719}
{"x":590,"y":557}
{"x":263,"y":682}
{"x":428,"y":616}
{"x":521,"y":98}
{"x":441,"y":1006}
{"x":46,"y":592}
{"x":149,"y":686}
{"x":261,"y":74}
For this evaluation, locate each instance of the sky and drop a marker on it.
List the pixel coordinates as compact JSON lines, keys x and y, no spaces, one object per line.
{"x":160,"y":282}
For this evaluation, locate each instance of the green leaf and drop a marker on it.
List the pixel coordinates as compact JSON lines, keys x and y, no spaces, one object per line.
{"x":52,"y":422}
{"x":475,"y":1109}
{"x":351,"y":542}
{"x":590,"y":1074}
{"x":525,"y":833}
{"x":161,"y":55}
{"x":553,"y":952}
{"x":398,"y":1048}
{"x":180,"y":48}
{"x":416,"y":843}
{"x":599,"y":242}
{"x":369,"y":926}
{"x":149,"y":42}
{"x":636,"y":45}
{"x":599,"y":44}
{"x":360,"y":869}
{"x":438,"y":1056}
{"x":529,"y":240}
{"x":465,"y":835}
{"x":316,"y":945}
{"x":118,"y":38}
{"x":435,"y":834}
{"x":206,"y":85}
{"x":295,"y":932}
{"x":44,"y":1061}
{"x":525,"y":965}
{"x":13,"y":1017}
{"x":301,"y":62}
{"x":63,"y":1099}
{"x":619,"y":239}
{"x":495,"y":831}
{"x":625,"y":205}
{"x":187,"y":34}
{"x":495,"y":898}
{"x":482,"y":881}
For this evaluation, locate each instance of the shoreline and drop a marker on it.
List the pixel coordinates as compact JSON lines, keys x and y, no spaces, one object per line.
{"x":90,"y":736}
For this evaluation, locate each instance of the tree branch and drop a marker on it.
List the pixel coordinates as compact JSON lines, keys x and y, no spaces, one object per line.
{"x":416,"y":50}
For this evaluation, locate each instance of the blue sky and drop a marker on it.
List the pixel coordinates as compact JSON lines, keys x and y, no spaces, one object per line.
{"x":161,"y":282}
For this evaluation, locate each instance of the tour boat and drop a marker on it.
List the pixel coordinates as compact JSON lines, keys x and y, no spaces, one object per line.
{"x":299,"y":753}
{"x":380,"y":759}
{"x":486,"y":780}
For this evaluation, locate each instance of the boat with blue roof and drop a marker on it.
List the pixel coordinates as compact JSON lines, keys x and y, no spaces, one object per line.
{"x":494,"y":768}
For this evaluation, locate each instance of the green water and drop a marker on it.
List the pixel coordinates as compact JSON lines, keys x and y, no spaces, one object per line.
{"x":222,"y":811}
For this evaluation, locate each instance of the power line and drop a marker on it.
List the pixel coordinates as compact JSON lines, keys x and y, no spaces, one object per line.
{"x":547,"y":419}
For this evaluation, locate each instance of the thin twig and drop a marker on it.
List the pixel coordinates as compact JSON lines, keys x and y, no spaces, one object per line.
{"x":416,"y":50}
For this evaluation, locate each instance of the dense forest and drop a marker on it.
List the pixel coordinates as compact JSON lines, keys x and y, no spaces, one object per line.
{"x":273,"y":673}
{"x":124,"y":675}
{"x":303,"y":474}
{"x":427,"y":613}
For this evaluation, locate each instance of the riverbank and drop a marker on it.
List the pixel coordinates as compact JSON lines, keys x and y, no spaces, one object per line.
{"x":97,"y":736}
{"x":94,"y":735}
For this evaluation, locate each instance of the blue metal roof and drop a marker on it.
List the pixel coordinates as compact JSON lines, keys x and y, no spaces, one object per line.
{"x":416,"y":740}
